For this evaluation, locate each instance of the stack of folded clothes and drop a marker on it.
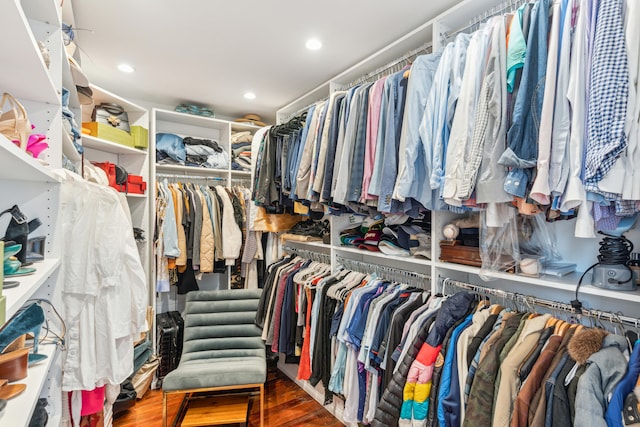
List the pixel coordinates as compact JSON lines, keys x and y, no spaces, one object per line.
{"x":205,"y":153}
{"x":396,"y":235}
{"x":241,"y":150}
{"x":189,"y":151}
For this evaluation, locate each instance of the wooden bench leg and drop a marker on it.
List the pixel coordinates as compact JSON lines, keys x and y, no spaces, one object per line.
{"x":164,"y":409}
{"x":261,"y":405}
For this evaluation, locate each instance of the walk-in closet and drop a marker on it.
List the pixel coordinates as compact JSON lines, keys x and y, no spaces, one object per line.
{"x":284,"y":214}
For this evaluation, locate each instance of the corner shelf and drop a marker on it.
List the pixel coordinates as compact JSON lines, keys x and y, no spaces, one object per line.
{"x":20,"y":408}
{"x":89,"y":141}
{"x":17,"y":165}
{"x":22,"y":44}
{"x":29,"y":285}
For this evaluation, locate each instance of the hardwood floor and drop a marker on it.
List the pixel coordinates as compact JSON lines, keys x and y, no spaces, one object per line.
{"x":286,"y":405}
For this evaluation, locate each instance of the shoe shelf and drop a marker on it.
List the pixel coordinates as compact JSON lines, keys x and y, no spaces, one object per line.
{"x":19,"y":42}
{"x":109,"y":147}
{"x":17,"y":165}
{"x":19,"y":409}
{"x":29,"y":285}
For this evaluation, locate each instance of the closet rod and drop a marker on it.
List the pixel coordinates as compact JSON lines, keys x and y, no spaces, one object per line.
{"x":189,"y":176}
{"x":531,"y":300}
{"x":306,"y":108}
{"x":378,"y":73}
{"x":507,"y":6}
{"x":382,"y":270}
{"x":309,"y":254}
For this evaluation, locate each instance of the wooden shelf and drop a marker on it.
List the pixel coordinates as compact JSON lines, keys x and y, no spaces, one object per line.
{"x":240,"y":173}
{"x":29,"y":285}
{"x":17,"y":165}
{"x":21,"y":55}
{"x":89,"y":141}
{"x":135,"y":196}
{"x":20,"y":408}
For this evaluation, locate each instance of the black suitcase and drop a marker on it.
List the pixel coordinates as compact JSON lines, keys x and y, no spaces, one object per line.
{"x":179,"y":322}
{"x":167,"y":344}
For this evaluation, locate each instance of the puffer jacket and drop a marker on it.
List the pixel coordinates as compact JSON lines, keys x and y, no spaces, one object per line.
{"x":605,"y":369}
{"x":206,"y":237}
{"x":418,"y":386}
{"x":388,"y":411}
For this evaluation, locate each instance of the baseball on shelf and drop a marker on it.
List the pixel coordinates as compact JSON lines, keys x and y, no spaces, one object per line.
{"x":450,"y":231}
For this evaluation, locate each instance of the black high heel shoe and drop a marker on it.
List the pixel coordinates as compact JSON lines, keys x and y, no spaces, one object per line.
{"x":18,"y":230}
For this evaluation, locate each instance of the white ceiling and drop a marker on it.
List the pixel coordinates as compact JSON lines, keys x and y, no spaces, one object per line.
{"x":212,"y":52}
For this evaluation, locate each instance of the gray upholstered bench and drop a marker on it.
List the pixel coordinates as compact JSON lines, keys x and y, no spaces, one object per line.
{"x":222,"y":347}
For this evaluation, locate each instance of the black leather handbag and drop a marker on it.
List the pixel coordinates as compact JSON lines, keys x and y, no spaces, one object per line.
{"x":111,"y":114}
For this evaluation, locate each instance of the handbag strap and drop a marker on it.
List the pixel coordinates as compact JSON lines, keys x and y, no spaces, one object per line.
{"x":112,"y":107}
{"x":15,"y":105}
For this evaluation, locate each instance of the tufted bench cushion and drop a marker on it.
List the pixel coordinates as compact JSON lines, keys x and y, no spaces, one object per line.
{"x":222,"y":346}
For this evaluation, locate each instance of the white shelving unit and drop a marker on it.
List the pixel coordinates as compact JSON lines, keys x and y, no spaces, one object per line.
{"x":165,"y":121}
{"x":107,"y":146}
{"x":30,"y":183}
{"x":16,"y":297}
{"x":582,"y":252}
{"x":135,"y":161}
{"x":35,"y":381}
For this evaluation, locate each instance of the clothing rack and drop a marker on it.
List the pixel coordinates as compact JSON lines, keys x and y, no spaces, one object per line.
{"x":390,"y":273}
{"x":308,"y":254}
{"x":392,"y":67}
{"x":303,"y":109}
{"x":530,"y":301}
{"x":507,"y":6}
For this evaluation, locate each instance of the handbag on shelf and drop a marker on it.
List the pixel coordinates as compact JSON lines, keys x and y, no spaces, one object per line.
{"x":14,"y":123}
{"x":111,"y":114}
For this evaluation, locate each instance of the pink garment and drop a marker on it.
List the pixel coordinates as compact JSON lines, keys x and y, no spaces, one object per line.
{"x":92,"y":401}
{"x":373,"y":119}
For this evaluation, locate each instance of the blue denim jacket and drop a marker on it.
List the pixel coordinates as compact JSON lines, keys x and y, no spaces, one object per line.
{"x":522,"y":138}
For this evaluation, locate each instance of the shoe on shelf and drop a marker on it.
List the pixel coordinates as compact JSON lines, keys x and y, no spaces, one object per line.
{"x":13,"y":365}
{"x":13,"y":334}
{"x":9,"y":391}
{"x":18,"y":230}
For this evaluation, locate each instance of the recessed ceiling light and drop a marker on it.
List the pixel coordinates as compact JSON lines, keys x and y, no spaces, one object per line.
{"x":126,"y":68}
{"x":314,"y":44}
{"x":250,"y":95}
